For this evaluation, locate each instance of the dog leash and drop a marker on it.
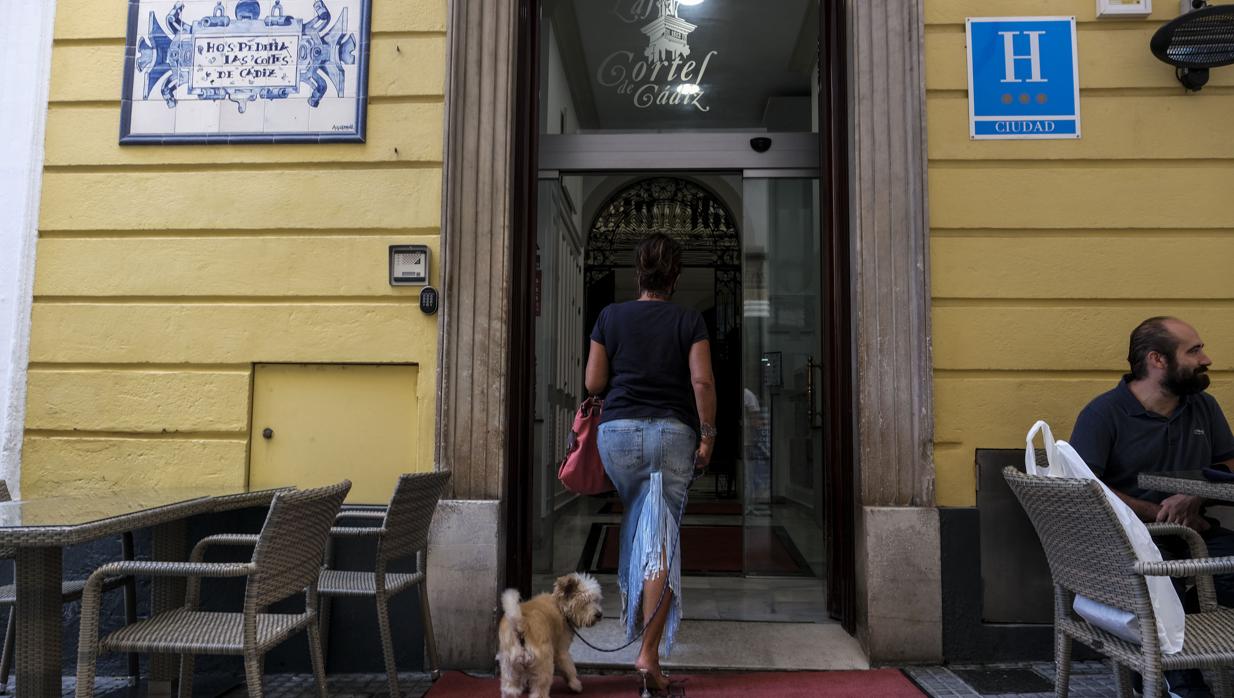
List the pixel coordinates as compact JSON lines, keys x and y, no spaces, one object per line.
{"x":663,"y":592}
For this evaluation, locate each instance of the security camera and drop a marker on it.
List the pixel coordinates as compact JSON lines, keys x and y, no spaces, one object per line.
{"x":761,"y":144}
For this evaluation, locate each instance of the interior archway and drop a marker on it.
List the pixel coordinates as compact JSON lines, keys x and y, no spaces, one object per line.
{"x":704,"y":224}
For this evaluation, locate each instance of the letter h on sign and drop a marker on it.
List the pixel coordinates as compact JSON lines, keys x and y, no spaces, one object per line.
{"x":1023,"y":78}
{"x":1010,"y":57}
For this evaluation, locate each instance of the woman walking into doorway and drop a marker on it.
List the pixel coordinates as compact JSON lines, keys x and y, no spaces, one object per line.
{"x":656,"y":430}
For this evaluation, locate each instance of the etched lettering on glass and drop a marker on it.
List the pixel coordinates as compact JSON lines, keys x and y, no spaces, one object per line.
{"x":664,"y":73}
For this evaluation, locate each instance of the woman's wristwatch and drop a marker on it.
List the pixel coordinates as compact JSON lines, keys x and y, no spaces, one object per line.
{"x":707,"y":431}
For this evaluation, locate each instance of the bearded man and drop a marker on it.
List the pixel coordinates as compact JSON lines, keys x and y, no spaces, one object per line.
{"x":1158,"y":418}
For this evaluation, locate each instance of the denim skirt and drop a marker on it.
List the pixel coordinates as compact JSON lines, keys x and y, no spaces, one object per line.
{"x":651,"y":463}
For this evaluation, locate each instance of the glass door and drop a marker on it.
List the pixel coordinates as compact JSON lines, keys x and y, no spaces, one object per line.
{"x":652,"y":114}
{"x":782,"y":377}
{"x":561,"y":339}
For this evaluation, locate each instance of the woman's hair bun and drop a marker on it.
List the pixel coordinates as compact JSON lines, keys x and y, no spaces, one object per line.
{"x":657,"y":263}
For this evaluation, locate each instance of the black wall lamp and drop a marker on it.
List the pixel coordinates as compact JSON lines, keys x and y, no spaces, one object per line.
{"x":1199,"y":39}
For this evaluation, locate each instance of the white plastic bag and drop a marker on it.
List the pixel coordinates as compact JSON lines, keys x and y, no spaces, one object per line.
{"x":1115,"y":621}
{"x":1065,"y":462}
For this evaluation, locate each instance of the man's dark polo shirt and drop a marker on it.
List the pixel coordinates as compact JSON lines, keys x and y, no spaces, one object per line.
{"x":1119,"y":439}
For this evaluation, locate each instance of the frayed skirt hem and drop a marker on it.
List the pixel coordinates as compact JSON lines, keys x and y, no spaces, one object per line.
{"x":657,"y":538}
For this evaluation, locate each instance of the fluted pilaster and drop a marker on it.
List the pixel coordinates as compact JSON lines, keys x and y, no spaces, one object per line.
{"x":891,"y":254}
{"x":471,"y":438}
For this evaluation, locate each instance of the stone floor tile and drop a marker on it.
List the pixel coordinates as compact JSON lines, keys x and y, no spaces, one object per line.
{"x":279,"y":686}
{"x":1088,"y":679}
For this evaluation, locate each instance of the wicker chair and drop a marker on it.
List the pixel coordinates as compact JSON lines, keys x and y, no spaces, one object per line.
{"x":1089,"y":554}
{"x":403,"y":532}
{"x":287,"y":558}
{"x":69,"y":591}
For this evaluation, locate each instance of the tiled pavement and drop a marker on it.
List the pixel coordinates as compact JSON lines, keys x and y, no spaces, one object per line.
{"x":340,"y":686}
{"x":1088,"y":679}
{"x":276,"y":686}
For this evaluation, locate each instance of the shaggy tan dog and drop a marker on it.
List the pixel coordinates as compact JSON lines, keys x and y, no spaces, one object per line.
{"x":535,"y":636}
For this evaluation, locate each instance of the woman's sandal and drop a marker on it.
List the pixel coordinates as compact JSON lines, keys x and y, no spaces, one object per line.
{"x":652,"y":688}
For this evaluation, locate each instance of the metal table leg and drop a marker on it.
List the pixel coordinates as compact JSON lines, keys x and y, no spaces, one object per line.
{"x":39,"y":572}
{"x":166,"y":593}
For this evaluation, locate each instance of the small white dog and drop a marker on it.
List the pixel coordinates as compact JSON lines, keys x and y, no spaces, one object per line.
{"x":535,"y":636}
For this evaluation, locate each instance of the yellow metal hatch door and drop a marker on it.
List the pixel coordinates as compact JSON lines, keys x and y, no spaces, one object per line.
{"x":315,"y":424}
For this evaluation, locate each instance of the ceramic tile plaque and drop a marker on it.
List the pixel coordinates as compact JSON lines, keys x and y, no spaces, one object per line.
{"x":245,"y":71}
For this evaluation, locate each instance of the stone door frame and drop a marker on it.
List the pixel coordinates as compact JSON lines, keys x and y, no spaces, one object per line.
{"x":484,"y":404}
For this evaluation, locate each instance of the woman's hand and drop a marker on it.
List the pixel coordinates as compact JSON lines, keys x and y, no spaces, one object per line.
{"x":702,"y":457}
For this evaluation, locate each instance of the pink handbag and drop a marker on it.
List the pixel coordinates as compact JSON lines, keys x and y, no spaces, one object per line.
{"x":581,"y":470}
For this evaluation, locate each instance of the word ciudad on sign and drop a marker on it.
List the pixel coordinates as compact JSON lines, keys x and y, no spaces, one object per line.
{"x":664,"y":74}
{"x":1023,"y":78}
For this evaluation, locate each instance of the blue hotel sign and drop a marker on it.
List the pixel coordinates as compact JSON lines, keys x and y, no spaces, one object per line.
{"x":1023,"y":78}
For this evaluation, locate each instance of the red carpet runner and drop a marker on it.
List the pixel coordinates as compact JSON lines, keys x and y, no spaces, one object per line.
{"x":711,"y":550}
{"x":879,"y":683}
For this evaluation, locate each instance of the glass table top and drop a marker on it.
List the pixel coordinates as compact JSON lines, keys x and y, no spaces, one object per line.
{"x":79,"y":510}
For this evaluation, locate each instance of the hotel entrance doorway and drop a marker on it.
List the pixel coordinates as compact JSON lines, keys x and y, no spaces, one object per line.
{"x":676,"y":117}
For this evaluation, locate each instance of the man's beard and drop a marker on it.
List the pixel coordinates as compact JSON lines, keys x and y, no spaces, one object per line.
{"x":1181,"y":381}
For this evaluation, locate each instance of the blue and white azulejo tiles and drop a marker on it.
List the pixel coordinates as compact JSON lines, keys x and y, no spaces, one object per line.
{"x":245,"y":71}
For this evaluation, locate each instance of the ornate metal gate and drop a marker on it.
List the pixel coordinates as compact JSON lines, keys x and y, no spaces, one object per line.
{"x":687,"y":212}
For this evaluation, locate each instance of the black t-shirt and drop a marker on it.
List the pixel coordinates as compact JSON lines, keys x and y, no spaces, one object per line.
{"x":648,"y":345}
{"x":1119,"y":439}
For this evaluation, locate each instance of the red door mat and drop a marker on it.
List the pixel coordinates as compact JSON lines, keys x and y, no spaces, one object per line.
{"x":694,"y":507}
{"x":708,"y":550}
{"x":884,"y":683}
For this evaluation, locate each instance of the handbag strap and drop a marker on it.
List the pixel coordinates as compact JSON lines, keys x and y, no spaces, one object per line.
{"x":591,"y":407}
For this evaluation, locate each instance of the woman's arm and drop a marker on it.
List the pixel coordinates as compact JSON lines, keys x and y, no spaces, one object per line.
{"x":597,"y":369}
{"x":704,"y":382}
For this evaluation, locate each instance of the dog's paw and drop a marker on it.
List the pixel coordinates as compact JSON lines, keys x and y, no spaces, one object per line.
{"x":576,"y":686}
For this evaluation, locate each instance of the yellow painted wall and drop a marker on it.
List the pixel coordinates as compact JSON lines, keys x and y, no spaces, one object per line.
{"x":1045,"y":254}
{"x":165,"y":273}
